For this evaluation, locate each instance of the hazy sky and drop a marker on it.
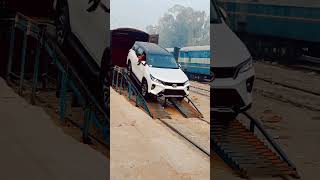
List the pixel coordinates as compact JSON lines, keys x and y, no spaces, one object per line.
{"x":140,"y":13}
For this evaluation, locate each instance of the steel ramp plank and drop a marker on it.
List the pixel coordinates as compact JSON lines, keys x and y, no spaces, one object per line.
{"x":244,"y":151}
{"x":185,"y":108}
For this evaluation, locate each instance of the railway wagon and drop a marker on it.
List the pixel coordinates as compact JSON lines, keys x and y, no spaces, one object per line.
{"x":122,"y":39}
{"x":276,"y":28}
{"x":195,"y":62}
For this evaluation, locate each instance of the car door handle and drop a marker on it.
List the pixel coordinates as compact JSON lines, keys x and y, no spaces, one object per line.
{"x":94,"y":5}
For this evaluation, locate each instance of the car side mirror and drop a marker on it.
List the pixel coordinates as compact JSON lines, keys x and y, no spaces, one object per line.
{"x":223,"y":13}
{"x":142,"y":62}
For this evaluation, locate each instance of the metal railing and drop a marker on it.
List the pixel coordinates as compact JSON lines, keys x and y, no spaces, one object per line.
{"x":121,"y":81}
{"x":95,"y":114}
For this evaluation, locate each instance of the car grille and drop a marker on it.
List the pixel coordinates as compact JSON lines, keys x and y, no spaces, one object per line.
{"x":224,"y":72}
{"x":174,"y":92}
{"x":171,"y":84}
{"x":225,"y":98}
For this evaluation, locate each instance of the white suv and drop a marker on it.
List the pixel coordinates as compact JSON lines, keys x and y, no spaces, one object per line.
{"x":157,"y":71}
{"x":232,"y":66}
{"x":84,"y":26}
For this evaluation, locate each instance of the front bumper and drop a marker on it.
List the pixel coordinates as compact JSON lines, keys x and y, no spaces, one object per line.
{"x":232,"y":95}
{"x":168,"y":91}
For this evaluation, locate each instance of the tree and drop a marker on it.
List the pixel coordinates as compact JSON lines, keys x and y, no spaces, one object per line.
{"x":182,"y":26}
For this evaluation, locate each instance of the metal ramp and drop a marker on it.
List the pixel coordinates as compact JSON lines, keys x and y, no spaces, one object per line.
{"x":185,"y":108}
{"x":246,"y":152}
{"x":127,"y":86}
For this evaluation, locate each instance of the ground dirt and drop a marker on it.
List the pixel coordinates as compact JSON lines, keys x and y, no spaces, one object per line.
{"x":33,"y":147}
{"x":143,"y":148}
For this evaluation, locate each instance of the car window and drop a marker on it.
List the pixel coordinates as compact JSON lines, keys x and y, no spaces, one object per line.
{"x":139,"y":52}
{"x":135,"y":47}
{"x":162,"y":61}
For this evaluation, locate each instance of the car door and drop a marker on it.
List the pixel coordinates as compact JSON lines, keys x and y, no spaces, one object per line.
{"x":139,"y":65}
{"x":133,"y":59}
{"x":89,"y":21}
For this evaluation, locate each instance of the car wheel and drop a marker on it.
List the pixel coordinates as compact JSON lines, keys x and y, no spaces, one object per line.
{"x":62,"y":23}
{"x":180,"y":99}
{"x":144,"y":89}
{"x":129,"y":69}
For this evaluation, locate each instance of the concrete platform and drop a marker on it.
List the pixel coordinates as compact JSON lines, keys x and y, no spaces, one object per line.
{"x":143,"y":148}
{"x":33,"y":148}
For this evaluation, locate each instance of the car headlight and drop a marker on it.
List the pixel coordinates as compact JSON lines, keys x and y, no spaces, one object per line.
{"x":155,"y":79}
{"x":245,"y":66}
{"x":186,"y":83}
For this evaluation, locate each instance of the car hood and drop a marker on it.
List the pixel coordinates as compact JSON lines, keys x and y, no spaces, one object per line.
{"x":169,"y":75}
{"x":228,"y":50}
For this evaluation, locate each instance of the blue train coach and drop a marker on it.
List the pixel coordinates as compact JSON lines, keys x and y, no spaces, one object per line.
{"x":174,"y":51}
{"x":276,"y":28}
{"x":195,"y":62}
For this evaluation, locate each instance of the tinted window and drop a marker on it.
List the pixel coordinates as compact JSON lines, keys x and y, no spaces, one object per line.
{"x":135,"y":47}
{"x":162,"y":61}
{"x":214,"y":14}
{"x":139,"y":52}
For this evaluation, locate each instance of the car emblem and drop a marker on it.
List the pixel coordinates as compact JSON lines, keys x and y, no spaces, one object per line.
{"x":174,"y":85}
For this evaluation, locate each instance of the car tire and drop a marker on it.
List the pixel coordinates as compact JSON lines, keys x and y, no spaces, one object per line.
{"x":129,"y":69}
{"x":179,"y":99}
{"x":144,"y":89}
{"x":62,"y":23}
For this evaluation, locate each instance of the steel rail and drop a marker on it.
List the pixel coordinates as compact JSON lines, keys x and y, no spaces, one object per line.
{"x":186,"y":138}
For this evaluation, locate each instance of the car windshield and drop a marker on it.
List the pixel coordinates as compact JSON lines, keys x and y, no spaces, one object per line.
{"x":162,"y":61}
{"x":214,"y":14}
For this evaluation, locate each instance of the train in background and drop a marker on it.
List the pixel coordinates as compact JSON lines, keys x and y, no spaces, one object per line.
{"x":174,"y":51}
{"x":122,"y":40}
{"x":194,"y":61}
{"x":282,"y":29}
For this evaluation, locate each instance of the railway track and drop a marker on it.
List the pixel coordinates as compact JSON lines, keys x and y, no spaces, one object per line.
{"x":160,"y":113}
{"x":305,"y":64}
{"x":288,"y":86}
{"x":201,"y":91}
{"x":182,"y":135}
{"x":296,"y":96}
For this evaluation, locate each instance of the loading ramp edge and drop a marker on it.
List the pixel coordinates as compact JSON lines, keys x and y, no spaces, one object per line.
{"x":186,"y":138}
{"x":233,"y":156}
{"x":181,"y":109}
{"x":70,"y":78}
